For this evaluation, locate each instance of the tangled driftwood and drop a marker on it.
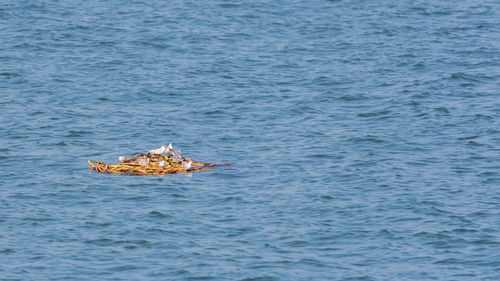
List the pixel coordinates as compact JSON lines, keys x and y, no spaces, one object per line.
{"x":154,"y":166}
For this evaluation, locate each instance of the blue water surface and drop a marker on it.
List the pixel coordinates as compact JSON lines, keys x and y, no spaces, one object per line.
{"x":364,"y":137}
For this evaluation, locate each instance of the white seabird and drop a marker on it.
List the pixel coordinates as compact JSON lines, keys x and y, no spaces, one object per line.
{"x":159,"y":150}
{"x":143,"y":161}
{"x":162,"y":163}
{"x":169,"y":148}
{"x":121,"y":158}
{"x":176,"y":155}
{"x":187,"y":164}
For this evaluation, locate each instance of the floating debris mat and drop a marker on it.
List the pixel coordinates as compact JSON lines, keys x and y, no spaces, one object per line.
{"x":160,"y":161}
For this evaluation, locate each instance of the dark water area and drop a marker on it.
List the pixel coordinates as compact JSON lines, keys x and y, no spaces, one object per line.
{"x":364,"y":137}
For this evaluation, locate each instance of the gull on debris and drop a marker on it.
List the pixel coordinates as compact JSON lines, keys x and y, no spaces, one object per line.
{"x":187,"y":164}
{"x":121,"y":158}
{"x":162,"y":163}
{"x":159,"y":150}
{"x":176,"y":155}
{"x":169,"y":148}
{"x":143,"y":161}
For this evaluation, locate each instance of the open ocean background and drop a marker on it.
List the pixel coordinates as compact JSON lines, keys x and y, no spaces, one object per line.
{"x":364,"y":137}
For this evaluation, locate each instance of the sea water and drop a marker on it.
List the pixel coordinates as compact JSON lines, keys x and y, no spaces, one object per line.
{"x":364,"y":138}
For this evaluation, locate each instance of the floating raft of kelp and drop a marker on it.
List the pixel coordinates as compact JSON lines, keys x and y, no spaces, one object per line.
{"x":160,"y":161}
